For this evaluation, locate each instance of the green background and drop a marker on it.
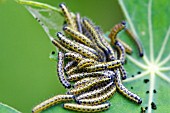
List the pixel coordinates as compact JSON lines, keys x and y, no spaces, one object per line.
{"x":27,"y":76}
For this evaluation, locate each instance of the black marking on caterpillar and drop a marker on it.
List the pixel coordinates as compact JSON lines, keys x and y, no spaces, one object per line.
{"x":52,"y":101}
{"x":86,"y":108}
{"x":60,"y":70}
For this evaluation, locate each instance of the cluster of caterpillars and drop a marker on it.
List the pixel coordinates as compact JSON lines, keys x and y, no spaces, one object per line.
{"x":88,"y":66}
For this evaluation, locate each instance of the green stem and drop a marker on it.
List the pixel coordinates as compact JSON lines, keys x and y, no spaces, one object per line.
{"x":40,"y":5}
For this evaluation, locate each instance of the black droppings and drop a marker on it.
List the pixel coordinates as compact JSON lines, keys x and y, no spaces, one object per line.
{"x":138,"y":72}
{"x":147,"y":91}
{"x":146,"y":108}
{"x":154,"y":91}
{"x":153,"y":106}
{"x":53,"y":52}
{"x":131,"y":87}
{"x":146,"y":80}
{"x":132,"y":75}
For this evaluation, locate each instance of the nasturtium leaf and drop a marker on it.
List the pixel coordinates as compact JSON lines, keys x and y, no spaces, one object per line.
{"x":148,"y":76}
{"x":7,"y":109}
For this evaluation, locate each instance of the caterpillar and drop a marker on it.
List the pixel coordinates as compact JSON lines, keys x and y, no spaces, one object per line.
{"x":57,"y":44}
{"x":68,"y":17}
{"x":60,"y":70}
{"x":86,"y":108}
{"x":100,"y":99}
{"x":78,"y":76}
{"x":122,"y":89}
{"x":69,"y":65}
{"x":74,"y":56}
{"x":71,"y":45}
{"x":78,"y":21}
{"x":115,"y":30}
{"x":103,"y":66}
{"x":77,"y":91}
{"x":95,"y":93}
{"x":88,"y":24}
{"x":136,"y":40}
{"x":78,"y":36}
{"x":121,"y":50}
{"x":52,"y":101}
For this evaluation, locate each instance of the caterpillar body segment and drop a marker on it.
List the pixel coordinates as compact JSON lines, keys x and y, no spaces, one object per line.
{"x":86,"y":108}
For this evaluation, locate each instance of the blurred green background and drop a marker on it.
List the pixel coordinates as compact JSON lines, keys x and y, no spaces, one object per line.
{"x":27,"y":76}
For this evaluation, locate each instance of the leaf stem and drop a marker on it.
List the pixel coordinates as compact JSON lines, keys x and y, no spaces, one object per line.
{"x":39,"y":5}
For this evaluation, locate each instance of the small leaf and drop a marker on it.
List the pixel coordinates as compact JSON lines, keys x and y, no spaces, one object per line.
{"x":7,"y":109}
